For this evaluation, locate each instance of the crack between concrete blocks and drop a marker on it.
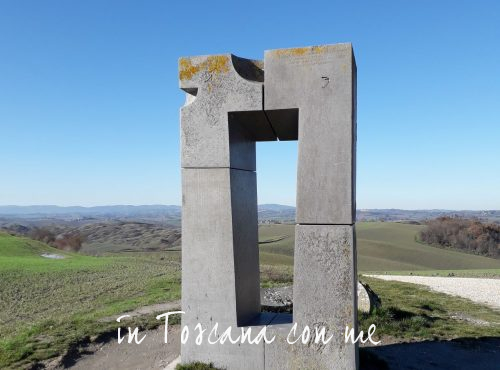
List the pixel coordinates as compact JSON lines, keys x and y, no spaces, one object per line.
{"x":216,"y":168}
{"x":265,"y":114}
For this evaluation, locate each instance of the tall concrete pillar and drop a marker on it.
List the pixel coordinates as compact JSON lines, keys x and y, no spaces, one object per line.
{"x":321,"y":83}
{"x":220,"y":123}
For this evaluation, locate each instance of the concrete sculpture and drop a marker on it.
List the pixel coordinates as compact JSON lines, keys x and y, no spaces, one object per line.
{"x":305,"y":94}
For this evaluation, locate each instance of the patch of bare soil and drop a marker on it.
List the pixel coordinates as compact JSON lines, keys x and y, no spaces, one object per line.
{"x":152,"y":353}
{"x":146,"y":310}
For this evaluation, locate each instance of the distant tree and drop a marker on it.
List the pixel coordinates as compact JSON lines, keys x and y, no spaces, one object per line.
{"x":468,"y":235}
{"x":42,"y":234}
{"x":71,"y":241}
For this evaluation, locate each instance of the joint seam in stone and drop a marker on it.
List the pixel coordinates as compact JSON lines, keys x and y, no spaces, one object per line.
{"x":215,"y":168}
{"x":265,"y":114}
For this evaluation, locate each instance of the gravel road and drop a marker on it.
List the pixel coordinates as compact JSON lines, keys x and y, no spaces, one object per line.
{"x":486,"y":291}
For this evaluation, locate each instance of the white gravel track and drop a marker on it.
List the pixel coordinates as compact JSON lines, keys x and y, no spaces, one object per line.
{"x":485,"y":291}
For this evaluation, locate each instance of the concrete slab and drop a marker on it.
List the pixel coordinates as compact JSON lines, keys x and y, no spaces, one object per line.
{"x":217,"y":85}
{"x":220,"y":246}
{"x":220,"y":262}
{"x":324,"y":288}
{"x":320,"y":81}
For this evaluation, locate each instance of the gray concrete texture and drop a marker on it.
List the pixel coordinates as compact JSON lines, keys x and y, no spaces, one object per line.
{"x":325,"y":273}
{"x":319,"y":81}
{"x":217,"y":85}
{"x":219,"y":253}
{"x":325,"y":285}
{"x":308,"y":94}
{"x":280,"y":355}
{"x":220,"y":261}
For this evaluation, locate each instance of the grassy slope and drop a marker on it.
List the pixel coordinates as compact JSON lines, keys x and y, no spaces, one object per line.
{"x":392,"y":246}
{"x":382,"y":246}
{"x":424,"y":314}
{"x":48,"y":304}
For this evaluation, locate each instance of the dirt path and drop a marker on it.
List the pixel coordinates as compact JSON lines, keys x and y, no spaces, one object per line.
{"x":154,"y":308}
{"x":458,"y":354}
{"x":152,"y":353}
{"x":485,"y":291}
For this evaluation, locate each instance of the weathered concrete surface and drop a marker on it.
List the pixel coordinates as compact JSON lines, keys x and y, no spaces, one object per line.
{"x":325,"y":279}
{"x":310,"y":356}
{"x":321,"y":83}
{"x":324,"y":289}
{"x":217,"y":85}
{"x":310,"y":94}
{"x":220,"y":275}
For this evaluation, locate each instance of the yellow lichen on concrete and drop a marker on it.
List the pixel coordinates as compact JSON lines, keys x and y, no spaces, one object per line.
{"x":291,"y":52}
{"x":300,"y":51}
{"x":186,"y":69}
{"x":214,"y":65}
{"x":217,"y":64}
{"x":318,"y":49}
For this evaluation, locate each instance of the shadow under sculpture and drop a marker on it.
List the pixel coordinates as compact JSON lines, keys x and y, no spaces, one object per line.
{"x":308,"y":94}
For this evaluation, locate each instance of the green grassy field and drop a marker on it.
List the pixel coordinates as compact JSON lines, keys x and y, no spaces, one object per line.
{"x":47,"y":305}
{"x":382,"y":246}
{"x":424,"y":314}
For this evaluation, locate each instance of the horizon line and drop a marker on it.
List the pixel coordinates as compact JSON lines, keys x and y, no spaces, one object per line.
{"x":259,"y":204}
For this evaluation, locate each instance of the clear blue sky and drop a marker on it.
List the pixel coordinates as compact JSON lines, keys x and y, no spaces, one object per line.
{"x":89,"y":99}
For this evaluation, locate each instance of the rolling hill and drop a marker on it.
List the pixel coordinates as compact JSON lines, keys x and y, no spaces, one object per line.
{"x":382,"y":246}
{"x":125,"y":236}
{"x":48,"y":304}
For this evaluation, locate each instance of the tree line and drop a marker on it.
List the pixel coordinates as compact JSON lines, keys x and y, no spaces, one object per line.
{"x":69,"y":241}
{"x":468,"y":235}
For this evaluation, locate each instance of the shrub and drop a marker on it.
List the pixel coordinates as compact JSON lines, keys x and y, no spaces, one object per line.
{"x":70,"y":241}
{"x":464,"y":234}
{"x":42,"y":234}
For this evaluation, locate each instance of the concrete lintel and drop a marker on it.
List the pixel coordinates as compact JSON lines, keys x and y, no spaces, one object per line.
{"x":216,"y":85}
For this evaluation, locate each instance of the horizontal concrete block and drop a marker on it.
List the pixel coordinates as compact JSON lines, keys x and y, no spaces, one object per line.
{"x":320,"y":82}
{"x":217,"y":85}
